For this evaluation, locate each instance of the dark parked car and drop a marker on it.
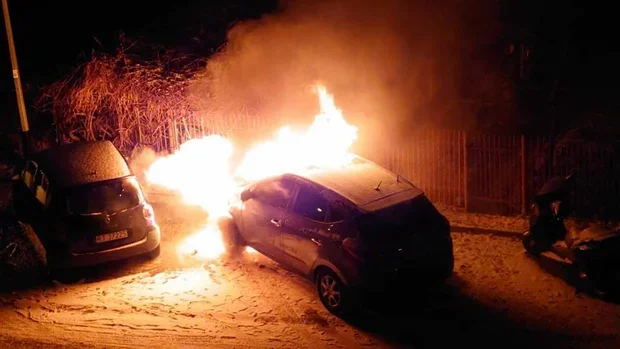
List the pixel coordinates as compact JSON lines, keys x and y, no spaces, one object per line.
{"x":354,"y":230}
{"x":85,"y":205}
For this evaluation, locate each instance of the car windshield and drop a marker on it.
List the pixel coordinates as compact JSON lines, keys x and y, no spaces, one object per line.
{"x":108,"y":196}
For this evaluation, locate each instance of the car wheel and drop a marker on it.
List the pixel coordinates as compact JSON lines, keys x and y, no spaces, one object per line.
{"x":332,"y":292}
{"x":231,"y":235}
{"x":599,"y":280}
{"x":443,"y":274}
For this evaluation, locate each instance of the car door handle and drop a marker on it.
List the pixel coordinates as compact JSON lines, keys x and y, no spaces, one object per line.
{"x":316,"y":241}
{"x":276,"y":222}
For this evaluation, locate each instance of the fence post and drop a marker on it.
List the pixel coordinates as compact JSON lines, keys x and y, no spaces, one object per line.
{"x":523,"y":175}
{"x":174,"y":141}
{"x":202,"y":127}
{"x":140,"y":140}
{"x":465,"y":173}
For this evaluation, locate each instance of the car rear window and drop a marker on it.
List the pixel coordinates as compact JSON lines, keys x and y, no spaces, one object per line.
{"x":108,"y":196}
{"x":402,"y":220}
{"x":416,"y":209}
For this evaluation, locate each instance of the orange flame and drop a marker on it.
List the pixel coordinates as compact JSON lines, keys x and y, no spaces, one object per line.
{"x":325,"y":144}
{"x":200,"y":171}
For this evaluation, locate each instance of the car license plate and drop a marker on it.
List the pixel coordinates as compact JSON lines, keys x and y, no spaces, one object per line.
{"x":117,"y":235}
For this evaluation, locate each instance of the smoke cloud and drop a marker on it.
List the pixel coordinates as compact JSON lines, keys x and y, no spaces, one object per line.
{"x":391,"y":64}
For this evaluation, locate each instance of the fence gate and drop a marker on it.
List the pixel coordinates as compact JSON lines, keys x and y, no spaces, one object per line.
{"x":495,"y":174}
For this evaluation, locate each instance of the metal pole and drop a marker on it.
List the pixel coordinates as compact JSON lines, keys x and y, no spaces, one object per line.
{"x":21,"y":104}
{"x":523,"y":175}
{"x":465,"y":172}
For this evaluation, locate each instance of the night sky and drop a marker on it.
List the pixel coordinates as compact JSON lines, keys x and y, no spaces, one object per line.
{"x":53,"y":36}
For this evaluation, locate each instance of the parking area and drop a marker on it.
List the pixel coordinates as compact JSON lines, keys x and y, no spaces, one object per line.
{"x":497,"y":296}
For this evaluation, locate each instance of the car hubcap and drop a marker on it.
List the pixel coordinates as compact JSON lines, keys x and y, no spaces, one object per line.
{"x":330,"y":291}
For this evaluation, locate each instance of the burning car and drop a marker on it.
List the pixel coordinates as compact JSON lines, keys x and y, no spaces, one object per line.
{"x":85,"y":205}
{"x":354,"y":229}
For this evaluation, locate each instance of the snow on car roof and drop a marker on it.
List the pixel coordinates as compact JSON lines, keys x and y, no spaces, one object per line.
{"x":82,"y":163}
{"x":365,"y":183}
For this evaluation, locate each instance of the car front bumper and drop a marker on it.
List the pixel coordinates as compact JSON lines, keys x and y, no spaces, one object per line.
{"x":74,"y":260}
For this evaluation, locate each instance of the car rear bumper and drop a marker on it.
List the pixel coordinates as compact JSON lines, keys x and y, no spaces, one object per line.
{"x":428,"y":270}
{"x":73,"y":260}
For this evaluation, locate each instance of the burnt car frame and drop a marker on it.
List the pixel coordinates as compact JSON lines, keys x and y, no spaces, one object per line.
{"x":356,"y":230}
{"x":85,"y":205}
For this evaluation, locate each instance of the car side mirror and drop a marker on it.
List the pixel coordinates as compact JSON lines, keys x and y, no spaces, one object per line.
{"x":247,"y":195}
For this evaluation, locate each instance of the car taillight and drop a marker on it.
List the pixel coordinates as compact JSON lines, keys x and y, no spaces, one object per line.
{"x":351,"y":246}
{"x":149,"y":214}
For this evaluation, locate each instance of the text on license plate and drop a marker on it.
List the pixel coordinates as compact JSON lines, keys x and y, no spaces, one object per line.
{"x":117,"y":235}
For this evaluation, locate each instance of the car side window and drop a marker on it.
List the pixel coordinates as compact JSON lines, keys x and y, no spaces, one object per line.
{"x":277,"y":193}
{"x":311,"y":204}
{"x":338,"y":209}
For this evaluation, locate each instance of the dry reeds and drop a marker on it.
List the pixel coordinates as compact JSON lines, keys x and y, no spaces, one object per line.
{"x":130,"y":102}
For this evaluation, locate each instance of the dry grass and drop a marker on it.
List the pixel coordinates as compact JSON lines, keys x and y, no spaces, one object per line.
{"x":126,"y":100}
{"x":146,"y":96}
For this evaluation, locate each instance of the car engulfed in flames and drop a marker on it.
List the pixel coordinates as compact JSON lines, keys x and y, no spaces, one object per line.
{"x":202,"y":174}
{"x":305,"y":201}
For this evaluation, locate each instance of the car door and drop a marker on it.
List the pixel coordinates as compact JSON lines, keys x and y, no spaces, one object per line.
{"x":264,"y":215}
{"x":307,"y":229}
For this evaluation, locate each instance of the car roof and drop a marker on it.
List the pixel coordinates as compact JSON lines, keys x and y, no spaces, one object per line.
{"x":364,"y":183}
{"x":80,"y":163}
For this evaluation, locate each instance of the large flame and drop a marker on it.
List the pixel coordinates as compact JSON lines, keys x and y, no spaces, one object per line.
{"x":201,"y":172}
{"x":325,"y":144}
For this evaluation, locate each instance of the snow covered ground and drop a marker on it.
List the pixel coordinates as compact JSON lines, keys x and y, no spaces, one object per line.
{"x":498,"y":296}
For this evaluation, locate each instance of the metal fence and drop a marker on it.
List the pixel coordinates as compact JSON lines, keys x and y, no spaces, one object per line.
{"x":493,"y":173}
{"x":595,"y":164}
{"x":432,"y":159}
{"x":486,"y":173}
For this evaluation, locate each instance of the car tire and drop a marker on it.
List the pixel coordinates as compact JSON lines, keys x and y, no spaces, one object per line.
{"x":600,"y":280}
{"x":333,"y":293}
{"x":443,"y":274}
{"x":231,"y":235}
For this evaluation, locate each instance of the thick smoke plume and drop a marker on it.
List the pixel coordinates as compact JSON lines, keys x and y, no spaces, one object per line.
{"x":390,"y":64}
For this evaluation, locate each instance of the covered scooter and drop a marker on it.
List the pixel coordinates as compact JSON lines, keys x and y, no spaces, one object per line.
{"x":595,"y":251}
